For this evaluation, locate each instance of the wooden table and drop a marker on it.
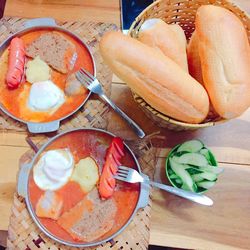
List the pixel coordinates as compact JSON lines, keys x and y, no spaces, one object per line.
{"x":230,"y":142}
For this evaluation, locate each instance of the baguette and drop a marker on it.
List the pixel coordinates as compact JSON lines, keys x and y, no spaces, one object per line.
{"x":225,"y":59}
{"x":194,"y":62}
{"x":157,"y":79}
{"x":170,"y":39}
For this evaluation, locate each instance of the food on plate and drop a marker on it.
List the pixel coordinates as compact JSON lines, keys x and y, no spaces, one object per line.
{"x":45,"y":96}
{"x":169,"y":39}
{"x":192,"y":166}
{"x":53,"y":169}
{"x":74,"y":87}
{"x":86,"y":174}
{"x":54,"y":49}
{"x":37,"y":70}
{"x":225,"y":59}
{"x":89,"y":219}
{"x":16,"y":63}
{"x":194,"y":62}
{"x":49,"y":205}
{"x":71,"y":212}
{"x":156,"y":78}
{"x":113,"y":156}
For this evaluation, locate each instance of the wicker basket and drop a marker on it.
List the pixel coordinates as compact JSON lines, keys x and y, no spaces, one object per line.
{"x":180,"y":12}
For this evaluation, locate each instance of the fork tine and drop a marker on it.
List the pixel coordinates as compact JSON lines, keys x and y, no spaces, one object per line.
{"x":83,"y":79}
{"x":117,"y":177}
{"x":122,"y":171}
{"x":87,"y":73}
{"x":123,"y":168}
{"x":122,"y":174}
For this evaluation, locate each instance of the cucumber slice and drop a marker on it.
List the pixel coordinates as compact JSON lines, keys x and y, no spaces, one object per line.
{"x":170,"y":171}
{"x":179,"y":181}
{"x":185,"y":187}
{"x":209,"y":156}
{"x":173,"y":176}
{"x":197,"y":178}
{"x":212,"y":169}
{"x":183,"y":174}
{"x":191,"y":146}
{"x":193,"y":170}
{"x":205,"y":152}
{"x":205,"y":184}
{"x":178,"y":154}
{"x":206,"y":175}
{"x":195,"y":159}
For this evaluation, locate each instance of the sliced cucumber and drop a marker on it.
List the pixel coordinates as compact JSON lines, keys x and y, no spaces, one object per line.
{"x":205,"y":152}
{"x":206,"y":175}
{"x":183,"y":174}
{"x":209,"y":156}
{"x":173,"y":176}
{"x":179,"y":181}
{"x":212,"y":169}
{"x":185,"y":187}
{"x":205,"y":184}
{"x":192,"y":170}
{"x":191,"y":146}
{"x":197,"y":178}
{"x":195,"y":159}
{"x":192,"y":166}
{"x":178,"y":154}
{"x":170,"y":171}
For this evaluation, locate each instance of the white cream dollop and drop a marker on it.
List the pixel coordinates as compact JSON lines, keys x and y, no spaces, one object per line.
{"x":53,"y":169}
{"x":45,"y":96}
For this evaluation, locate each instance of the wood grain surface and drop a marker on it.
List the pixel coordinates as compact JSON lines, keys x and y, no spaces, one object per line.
{"x":175,"y":222}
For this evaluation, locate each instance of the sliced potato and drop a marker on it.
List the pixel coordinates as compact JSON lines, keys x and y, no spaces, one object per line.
{"x":86,"y":174}
{"x":37,"y":70}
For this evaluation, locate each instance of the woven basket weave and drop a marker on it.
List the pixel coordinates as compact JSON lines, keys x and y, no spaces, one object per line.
{"x":180,"y":12}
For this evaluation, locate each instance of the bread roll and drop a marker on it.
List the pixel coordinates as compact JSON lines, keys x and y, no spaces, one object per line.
{"x":157,"y":79}
{"x":194,"y":62}
{"x":225,"y":59}
{"x":170,"y":39}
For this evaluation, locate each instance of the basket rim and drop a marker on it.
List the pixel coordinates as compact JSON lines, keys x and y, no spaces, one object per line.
{"x":158,"y":1}
{"x":173,"y":121}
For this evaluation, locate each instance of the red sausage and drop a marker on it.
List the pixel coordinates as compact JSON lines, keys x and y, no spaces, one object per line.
{"x":16,"y":63}
{"x":113,"y":157}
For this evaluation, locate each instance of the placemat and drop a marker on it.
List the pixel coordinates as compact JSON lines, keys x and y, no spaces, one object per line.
{"x":23,"y":233}
{"x":90,"y":33}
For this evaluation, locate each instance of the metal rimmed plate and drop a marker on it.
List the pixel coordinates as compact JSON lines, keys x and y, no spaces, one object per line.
{"x":48,"y":24}
{"x":26,"y":171}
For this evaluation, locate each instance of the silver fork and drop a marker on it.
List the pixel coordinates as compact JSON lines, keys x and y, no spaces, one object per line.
{"x":131,"y":175}
{"x":94,"y":86}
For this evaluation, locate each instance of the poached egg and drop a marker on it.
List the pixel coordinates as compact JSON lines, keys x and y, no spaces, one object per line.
{"x":45,"y":96}
{"x":53,"y":169}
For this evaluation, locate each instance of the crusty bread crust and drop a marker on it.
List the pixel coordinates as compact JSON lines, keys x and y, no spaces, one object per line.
{"x":169,"y":39}
{"x":156,"y":78}
{"x":194,"y":62}
{"x":225,"y":59}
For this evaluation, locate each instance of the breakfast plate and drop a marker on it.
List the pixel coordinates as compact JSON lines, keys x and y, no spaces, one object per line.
{"x":37,"y":82}
{"x":70,"y":191}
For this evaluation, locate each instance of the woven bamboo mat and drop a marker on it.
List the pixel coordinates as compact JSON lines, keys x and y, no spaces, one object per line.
{"x":23,"y":233}
{"x":90,"y":33}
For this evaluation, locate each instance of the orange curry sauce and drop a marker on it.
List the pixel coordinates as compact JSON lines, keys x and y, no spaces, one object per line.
{"x":83,"y":144}
{"x":15,"y":101}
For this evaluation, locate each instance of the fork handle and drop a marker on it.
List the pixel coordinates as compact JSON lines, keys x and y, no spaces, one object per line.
{"x":131,"y":123}
{"x":198,"y":198}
